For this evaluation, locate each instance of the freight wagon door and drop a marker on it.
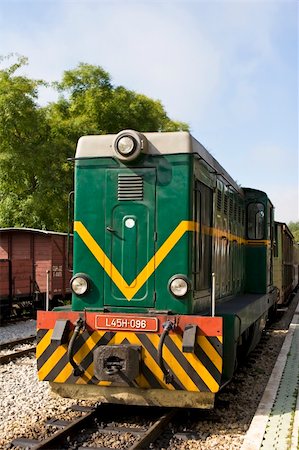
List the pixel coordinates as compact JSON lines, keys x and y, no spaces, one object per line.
{"x":130,"y":242}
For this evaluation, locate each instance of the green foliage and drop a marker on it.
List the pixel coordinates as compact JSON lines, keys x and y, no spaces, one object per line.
{"x":294,"y":227}
{"x":35,"y":142}
{"x":89,"y":104}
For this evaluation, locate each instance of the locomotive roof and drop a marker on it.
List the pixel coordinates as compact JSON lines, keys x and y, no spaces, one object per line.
{"x":159,"y":143}
{"x":31,"y":230}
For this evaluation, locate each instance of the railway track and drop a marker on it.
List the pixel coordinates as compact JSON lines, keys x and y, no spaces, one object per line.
{"x":7,"y":357}
{"x":96,"y":419}
{"x":224,"y":427}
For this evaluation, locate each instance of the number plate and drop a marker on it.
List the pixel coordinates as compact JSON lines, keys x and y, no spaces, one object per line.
{"x":126,"y":323}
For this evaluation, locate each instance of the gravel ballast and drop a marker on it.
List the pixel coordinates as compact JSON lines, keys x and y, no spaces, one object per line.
{"x":13,"y":331}
{"x":26,"y":403}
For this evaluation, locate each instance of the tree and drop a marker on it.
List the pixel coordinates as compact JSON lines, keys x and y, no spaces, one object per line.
{"x":90,"y":104}
{"x":34,"y":178}
{"x":35,"y":142}
{"x":294,"y":227}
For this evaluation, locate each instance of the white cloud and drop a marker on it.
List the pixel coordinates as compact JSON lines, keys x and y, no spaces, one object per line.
{"x":286,"y":202}
{"x":204,"y":60}
{"x":151,"y":48}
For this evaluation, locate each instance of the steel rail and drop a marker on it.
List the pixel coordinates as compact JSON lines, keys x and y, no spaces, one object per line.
{"x":4,"y":359}
{"x":71,"y":429}
{"x":11,"y":344}
{"x":154,"y":431}
{"x":54,"y":441}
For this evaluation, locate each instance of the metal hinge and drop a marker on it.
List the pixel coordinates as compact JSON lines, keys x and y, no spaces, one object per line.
{"x":155,"y":236}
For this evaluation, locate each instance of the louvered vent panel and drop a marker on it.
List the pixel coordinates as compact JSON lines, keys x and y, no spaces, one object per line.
{"x":235,"y":212}
{"x":219,"y":200}
{"x":225,"y":208}
{"x":231,"y":208}
{"x":130,"y":187}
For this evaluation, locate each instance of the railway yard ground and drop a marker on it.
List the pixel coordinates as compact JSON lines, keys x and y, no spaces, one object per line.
{"x":256,"y":401}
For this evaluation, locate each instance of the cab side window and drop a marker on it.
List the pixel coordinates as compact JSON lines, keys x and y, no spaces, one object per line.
{"x":256,"y":221}
{"x":203,"y":208}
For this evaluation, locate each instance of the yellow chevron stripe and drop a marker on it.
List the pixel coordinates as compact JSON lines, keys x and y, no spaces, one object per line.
{"x":210,"y":352}
{"x":179,"y":371}
{"x":43,"y":344}
{"x":148,"y":360}
{"x":198,"y":365}
{"x":258,"y":242}
{"x":52,"y":361}
{"x":78,"y":357}
{"x":130,"y":290}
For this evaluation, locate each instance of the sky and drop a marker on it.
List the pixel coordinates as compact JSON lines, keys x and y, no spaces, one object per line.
{"x":227,"y":68}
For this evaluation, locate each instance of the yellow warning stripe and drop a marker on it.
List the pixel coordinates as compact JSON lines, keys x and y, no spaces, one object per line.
{"x":176,"y":368}
{"x":196,"y":363}
{"x":185,"y":225}
{"x":43,"y":344}
{"x":83,"y":351}
{"x":210,"y":351}
{"x":52,"y":361}
{"x":130,"y":290}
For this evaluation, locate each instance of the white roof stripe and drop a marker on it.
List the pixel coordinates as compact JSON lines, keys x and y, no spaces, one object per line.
{"x":164,"y":143}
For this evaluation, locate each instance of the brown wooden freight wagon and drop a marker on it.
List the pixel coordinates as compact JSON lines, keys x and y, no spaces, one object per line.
{"x":26,"y":255}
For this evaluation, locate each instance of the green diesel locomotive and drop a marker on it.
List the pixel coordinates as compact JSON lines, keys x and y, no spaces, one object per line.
{"x":173,"y":274}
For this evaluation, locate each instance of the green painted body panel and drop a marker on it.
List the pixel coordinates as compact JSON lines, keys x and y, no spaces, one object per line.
{"x":130,"y":249}
{"x":259,"y":253}
{"x":239,"y":315}
{"x":231,"y":330}
{"x":166,"y":202}
{"x":256,"y":269}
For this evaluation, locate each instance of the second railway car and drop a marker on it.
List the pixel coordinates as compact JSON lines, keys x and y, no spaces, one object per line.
{"x":285,"y":261}
{"x":173,"y":275}
{"x":26,"y":255}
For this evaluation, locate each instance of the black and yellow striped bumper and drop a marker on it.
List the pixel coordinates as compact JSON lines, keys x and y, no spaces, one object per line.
{"x":197,"y":371}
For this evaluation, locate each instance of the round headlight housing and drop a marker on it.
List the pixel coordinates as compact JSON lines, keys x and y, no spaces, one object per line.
{"x":179,"y":285}
{"x":128,"y":144}
{"x":80,"y":284}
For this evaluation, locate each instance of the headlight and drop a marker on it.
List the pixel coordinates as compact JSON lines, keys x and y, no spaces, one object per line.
{"x":79,"y":284}
{"x":128,"y":144}
{"x":179,"y":285}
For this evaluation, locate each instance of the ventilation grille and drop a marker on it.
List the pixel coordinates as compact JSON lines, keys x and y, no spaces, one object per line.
{"x":219,"y":200}
{"x":225,"y":209}
{"x":231,"y":207}
{"x":130,"y":187}
{"x":235,"y":212}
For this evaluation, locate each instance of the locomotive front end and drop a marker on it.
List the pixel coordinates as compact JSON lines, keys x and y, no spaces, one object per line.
{"x":132,"y":334}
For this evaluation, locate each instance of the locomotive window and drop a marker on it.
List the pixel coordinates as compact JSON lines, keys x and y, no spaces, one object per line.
{"x":203,"y":203}
{"x":256,"y":221}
